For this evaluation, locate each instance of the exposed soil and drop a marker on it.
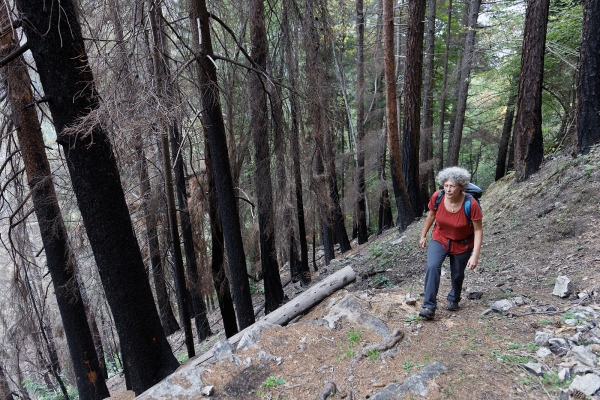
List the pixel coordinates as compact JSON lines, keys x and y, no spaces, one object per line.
{"x":533,"y":232}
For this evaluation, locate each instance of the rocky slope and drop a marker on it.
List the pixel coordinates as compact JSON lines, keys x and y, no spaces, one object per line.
{"x":512,"y":337}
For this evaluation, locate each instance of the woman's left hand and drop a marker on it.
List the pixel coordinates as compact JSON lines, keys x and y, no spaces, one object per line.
{"x":472,"y":263}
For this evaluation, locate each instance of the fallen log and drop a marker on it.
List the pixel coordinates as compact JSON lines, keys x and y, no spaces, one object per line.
{"x":298,"y":305}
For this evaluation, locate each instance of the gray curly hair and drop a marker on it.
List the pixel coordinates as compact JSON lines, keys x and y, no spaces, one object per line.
{"x":459,"y":175}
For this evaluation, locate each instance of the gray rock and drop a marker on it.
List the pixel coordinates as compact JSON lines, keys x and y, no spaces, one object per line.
{"x":502,"y":305}
{"x":564,"y":374}
{"x":595,"y":332}
{"x":559,"y":346}
{"x":235,"y":360}
{"x":183,"y":384}
{"x":588,"y":384}
{"x":350,"y":308}
{"x":535,"y":368}
{"x":570,"y":322}
{"x":584,"y":356}
{"x":518,"y":301}
{"x":252,"y":336}
{"x":563,"y":287}
{"x":581,"y":369}
{"x":542,"y":338}
{"x":222,"y":349}
{"x":208,"y":390}
{"x":416,"y":384}
{"x":543,"y":352}
{"x":576,"y":338}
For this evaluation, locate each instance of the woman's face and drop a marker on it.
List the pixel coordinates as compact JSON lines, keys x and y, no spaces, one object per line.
{"x":452,"y":189}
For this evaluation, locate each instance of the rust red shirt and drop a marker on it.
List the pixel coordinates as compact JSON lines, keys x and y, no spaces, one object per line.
{"x":454,"y":226}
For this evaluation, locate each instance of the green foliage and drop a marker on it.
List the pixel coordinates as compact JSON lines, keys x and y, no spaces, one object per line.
{"x":273,"y":381}
{"x":373,"y":354}
{"x":41,"y":392}
{"x":354,"y":335}
{"x":553,"y":381}
{"x":412,"y":318}
{"x":376,"y":250}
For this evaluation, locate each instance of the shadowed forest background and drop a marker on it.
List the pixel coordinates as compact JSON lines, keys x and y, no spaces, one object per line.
{"x":164,"y":158}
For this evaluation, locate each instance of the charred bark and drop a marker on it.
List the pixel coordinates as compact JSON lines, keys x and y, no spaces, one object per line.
{"x":413,"y":79}
{"x":59,"y":257}
{"x":463,"y":85}
{"x":214,"y":125}
{"x":68,"y":82}
{"x":588,"y":132}
{"x":405,"y":213}
{"x":529,"y":146}
{"x":362,"y":233}
{"x":505,"y":137}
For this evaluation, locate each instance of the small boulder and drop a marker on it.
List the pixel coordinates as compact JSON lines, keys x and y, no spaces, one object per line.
{"x":588,"y":384}
{"x":563,"y":287}
{"x":542,"y":338}
{"x":535,"y":368}
{"x":583,"y":355}
{"x":564,"y":374}
{"x":502,"y":305}
{"x":222,"y":349}
{"x":252,"y":336}
{"x":543,"y":352}
{"x":559,"y":346}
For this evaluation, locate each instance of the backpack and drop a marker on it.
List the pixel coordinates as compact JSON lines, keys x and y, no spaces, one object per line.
{"x":471,"y":192}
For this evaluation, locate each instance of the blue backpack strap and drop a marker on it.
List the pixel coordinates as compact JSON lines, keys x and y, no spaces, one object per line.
{"x":468,"y":199}
{"x":438,"y":200}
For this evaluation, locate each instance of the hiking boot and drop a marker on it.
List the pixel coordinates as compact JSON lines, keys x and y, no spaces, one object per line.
{"x":452,"y":306}
{"x":427,"y":313}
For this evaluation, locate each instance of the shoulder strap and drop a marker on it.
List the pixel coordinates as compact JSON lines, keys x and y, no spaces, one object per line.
{"x":468,"y":199}
{"x":438,"y":200}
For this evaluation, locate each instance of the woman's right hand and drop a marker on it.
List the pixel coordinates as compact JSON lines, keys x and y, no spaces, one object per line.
{"x":423,"y":242}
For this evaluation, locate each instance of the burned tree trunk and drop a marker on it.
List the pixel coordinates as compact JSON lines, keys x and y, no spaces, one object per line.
{"x":59,"y":257}
{"x":529,"y":146}
{"x":214,"y":125}
{"x":68,"y":85}
{"x":259,"y":124}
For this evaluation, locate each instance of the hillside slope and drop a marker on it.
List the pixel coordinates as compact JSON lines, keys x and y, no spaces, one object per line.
{"x":533,"y":232}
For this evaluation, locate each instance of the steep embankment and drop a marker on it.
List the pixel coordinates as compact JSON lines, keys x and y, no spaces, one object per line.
{"x":534,"y":232}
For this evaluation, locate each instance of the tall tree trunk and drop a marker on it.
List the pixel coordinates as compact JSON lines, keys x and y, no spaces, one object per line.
{"x":529,"y":146}
{"x":295,"y":141}
{"x":220,"y":280}
{"x":413,"y":79}
{"x":405,"y":213}
{"x":465,"y":76}
{"x":426,"y":146}
{"x":588,"y":132}
{"x":161,"y":75}
{"x":505,"y":137}
{"x":444,"y":89}
{"x":59,"y":257}
{"x":213,"y":117}
{"x":194,"y":278}
{"x":68,"y":83}
{"x":361,"y":208}
{"x":259,"y":127}
{"x":168,"y":321}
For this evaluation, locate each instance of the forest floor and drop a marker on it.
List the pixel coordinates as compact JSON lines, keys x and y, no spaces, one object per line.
{"x":533,"y":232}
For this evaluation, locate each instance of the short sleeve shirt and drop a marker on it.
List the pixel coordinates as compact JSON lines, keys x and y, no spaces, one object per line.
{"x":454,"y":226}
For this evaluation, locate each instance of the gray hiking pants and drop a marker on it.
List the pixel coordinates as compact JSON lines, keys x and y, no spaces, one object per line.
{"x":435,"y":258}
